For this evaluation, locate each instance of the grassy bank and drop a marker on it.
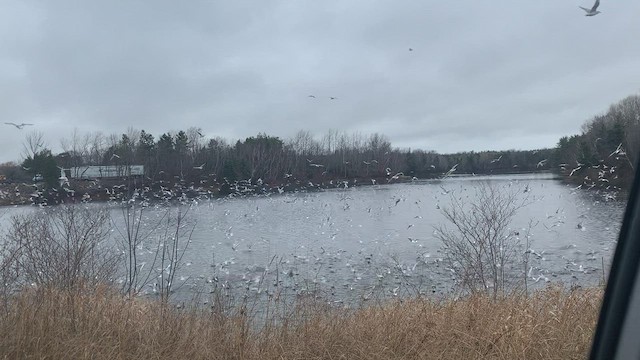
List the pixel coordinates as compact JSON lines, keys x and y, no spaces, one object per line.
{"x":550,"y":324}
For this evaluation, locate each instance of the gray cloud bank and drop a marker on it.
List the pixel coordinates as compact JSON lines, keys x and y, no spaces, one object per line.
{"x":481,"y":76}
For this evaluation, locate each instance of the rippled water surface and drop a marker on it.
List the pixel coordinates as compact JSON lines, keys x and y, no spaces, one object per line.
{"x":361,"y":242}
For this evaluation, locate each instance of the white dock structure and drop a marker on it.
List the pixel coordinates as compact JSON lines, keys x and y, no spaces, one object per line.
{"x":106,"y":171}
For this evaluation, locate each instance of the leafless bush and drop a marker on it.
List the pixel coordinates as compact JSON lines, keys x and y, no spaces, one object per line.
{"x":8,"y":275}
{"x":166,"y":237}
{"x":133,"y":235}
{"x":172,"y":244}
{"x":63,"y":247}
{"x":479,"y":245}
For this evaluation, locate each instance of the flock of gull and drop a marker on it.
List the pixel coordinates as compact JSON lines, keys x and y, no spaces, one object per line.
{"x":350,"y":245}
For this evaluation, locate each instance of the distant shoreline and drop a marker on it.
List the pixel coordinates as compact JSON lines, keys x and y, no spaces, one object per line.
{"x":104,"y":191}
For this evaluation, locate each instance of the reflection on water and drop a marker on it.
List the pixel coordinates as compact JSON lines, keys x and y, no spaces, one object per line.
{"x":356,"y":243}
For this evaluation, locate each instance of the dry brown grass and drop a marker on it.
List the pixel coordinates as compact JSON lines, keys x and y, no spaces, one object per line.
{"x":551,"y":324}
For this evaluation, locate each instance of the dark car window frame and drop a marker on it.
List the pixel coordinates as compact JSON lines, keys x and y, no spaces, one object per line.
{"x":616,"y":334}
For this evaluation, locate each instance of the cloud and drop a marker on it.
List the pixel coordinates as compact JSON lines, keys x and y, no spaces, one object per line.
{"x":481,"y":75}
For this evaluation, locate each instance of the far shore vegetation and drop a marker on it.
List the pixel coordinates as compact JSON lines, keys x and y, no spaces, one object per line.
{"x":187,"y":164}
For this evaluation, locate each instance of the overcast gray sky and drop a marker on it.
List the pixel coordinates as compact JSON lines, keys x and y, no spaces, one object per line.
{"x":483,"y":75}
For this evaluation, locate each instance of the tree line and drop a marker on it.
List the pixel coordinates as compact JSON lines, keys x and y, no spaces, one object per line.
{"x":188,"y":157}
{"x":606,"y":152}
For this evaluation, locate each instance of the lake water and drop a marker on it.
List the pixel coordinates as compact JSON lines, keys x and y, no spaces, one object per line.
{"x":376,"y":241}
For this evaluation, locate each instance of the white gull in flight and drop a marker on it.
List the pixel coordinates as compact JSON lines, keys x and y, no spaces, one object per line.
{"x":593,"y":11}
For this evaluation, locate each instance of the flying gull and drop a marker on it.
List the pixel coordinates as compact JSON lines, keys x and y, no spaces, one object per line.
{"x":593,"y":11}
{"x":19,"y":126}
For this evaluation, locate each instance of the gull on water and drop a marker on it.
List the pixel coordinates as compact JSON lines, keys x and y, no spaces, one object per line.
{"x":593,"y":11}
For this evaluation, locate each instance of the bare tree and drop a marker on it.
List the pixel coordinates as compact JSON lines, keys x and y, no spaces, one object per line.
{"x":133,"y":235}
{"x":196,"y":141}
{"x":630,"y":111}
{"x":479,"y":245}
{"x":172,"y":245}
{"x":33,"y":143}
{"x":304,"y":144}
{"x":76,"y":149}
{"x":9,"y":270}
{"x":64,"y":247}
{"x":96,"y":150}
